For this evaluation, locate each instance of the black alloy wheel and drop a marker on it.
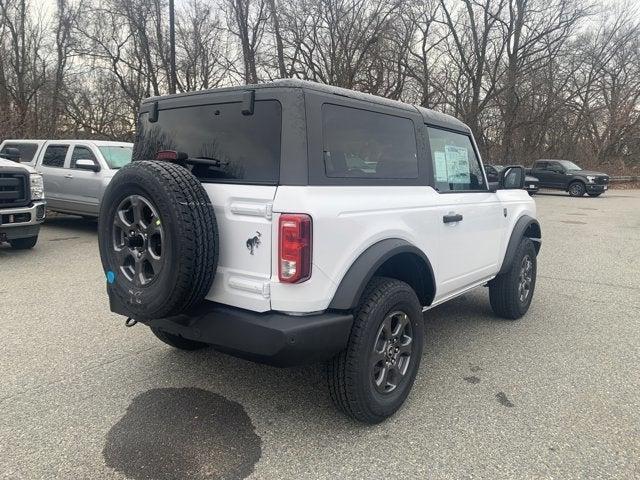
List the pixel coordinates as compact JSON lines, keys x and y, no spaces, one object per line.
{"x":391,"y":353}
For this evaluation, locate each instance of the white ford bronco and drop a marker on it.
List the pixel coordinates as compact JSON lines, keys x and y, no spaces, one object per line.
{"x":293,"y":222}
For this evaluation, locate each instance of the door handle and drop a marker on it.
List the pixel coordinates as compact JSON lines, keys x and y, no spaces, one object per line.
{"x":452,"y":217}
{"x":68,"y":175}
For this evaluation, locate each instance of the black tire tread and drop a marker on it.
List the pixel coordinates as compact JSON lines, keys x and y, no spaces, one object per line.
{"x":584,"y":188}
{"x":341,"y":384}
{"x":503,"y":290}
{"x":196,"y":234}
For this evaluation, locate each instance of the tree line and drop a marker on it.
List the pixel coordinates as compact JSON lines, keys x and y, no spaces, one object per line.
{"x":532,"y":78}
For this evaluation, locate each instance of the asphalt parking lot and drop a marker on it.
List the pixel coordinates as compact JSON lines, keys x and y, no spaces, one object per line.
{"x":555,"y":395}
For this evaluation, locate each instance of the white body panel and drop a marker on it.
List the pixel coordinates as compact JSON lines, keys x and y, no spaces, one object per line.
{"x":243,"y":212}
{"x":347,"y":221}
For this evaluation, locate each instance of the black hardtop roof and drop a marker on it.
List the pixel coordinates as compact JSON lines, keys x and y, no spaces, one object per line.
{"x":430,"y":116}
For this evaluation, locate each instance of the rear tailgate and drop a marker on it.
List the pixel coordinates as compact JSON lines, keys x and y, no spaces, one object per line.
{"x":234,"y":149}
{"x":243,"y":213}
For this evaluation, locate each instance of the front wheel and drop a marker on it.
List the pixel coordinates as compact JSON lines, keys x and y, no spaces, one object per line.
{"x":370,"y":380}
{"x":510,"y":293}
{"x":23,"y":243}
{"x":577,"y":189}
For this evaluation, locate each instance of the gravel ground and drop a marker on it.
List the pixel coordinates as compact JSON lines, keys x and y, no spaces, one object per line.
{"x":555,"y":395}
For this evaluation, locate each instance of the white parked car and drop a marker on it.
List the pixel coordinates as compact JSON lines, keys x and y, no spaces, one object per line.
{"x":292,"y":222}
{"x":75,"y":172}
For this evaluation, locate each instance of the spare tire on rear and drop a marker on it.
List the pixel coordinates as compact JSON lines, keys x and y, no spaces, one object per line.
{"x":158,"y":239}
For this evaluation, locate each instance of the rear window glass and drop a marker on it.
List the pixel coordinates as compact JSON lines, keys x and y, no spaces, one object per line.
{"x":27,"y":150}
{"x":241,"y":148}
{"x":363,"y":144}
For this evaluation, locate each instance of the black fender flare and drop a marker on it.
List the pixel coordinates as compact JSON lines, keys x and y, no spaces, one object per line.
{"x":574,"y":179}
{"x":365,"y":266}
{"x":526,"y":226}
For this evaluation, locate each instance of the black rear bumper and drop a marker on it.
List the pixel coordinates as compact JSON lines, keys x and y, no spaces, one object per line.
{"x":271,"y":337}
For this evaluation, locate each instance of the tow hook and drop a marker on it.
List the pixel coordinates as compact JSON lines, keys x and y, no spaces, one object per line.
{"x":130,"y":322}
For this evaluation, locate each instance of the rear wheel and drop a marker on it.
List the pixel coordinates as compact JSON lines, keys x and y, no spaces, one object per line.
{"x":370,"y":380}
{"x":577,"y":189}
{"x":510,"y":293}
{"x":178,"y":342}
{"x":23,"y":243}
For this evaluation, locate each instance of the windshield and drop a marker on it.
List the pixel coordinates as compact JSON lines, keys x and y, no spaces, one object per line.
{"x":116,"y":156}
{"x":569,"y":165}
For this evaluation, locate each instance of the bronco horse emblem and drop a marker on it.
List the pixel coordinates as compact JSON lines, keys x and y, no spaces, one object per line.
{"x":253,"y":242}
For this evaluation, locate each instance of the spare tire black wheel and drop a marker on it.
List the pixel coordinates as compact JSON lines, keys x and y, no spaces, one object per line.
{"x":158,"y":239}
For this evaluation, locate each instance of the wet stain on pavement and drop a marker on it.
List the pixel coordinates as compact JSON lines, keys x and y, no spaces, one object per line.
{"x":185,"y":433}
{"x":472,"y":379}
{"x":62,"y":238}
{"x":502,"y":398}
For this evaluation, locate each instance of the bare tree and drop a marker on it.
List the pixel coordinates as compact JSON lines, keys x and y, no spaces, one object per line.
{"x":250,"y":18}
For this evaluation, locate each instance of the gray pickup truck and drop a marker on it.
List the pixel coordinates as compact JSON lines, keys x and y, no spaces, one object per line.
{"x":22,"y":205}
{"x":75,"y":172}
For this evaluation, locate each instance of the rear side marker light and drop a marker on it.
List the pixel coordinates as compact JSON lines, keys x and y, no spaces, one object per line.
{"x":294,"y":247}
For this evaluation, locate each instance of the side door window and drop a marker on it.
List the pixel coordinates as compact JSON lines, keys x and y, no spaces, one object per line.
{"x":555,"y":167}
{"x":81,"y":152}
{"x":540,"y":165}
{"x":456,"y":166}
{"x":55,"y":155}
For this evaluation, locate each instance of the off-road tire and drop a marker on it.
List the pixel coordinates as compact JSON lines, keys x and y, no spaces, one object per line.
{"x":350,"y":383}
{"x":178,"y":342}
{"x":23,"y":243}
{"x":189,"y":245}
{"x":504,"y":292}
{"x":577,"y":189}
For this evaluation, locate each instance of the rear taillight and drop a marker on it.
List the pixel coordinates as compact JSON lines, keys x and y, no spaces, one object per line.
{"x":294,"y":247}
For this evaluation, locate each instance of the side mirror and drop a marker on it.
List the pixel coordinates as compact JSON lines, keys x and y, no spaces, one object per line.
{"x":512,"y":177}
{"x":11,"y":153}
{"x":86,"y":164}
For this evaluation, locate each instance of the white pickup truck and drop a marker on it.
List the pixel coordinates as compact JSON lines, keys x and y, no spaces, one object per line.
{"x":75,"y":172}
{"x":22,"y":206}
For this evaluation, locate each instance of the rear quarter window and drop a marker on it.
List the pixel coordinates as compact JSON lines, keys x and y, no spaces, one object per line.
{"x":242,"y":148}
{"x":365,"y":144}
